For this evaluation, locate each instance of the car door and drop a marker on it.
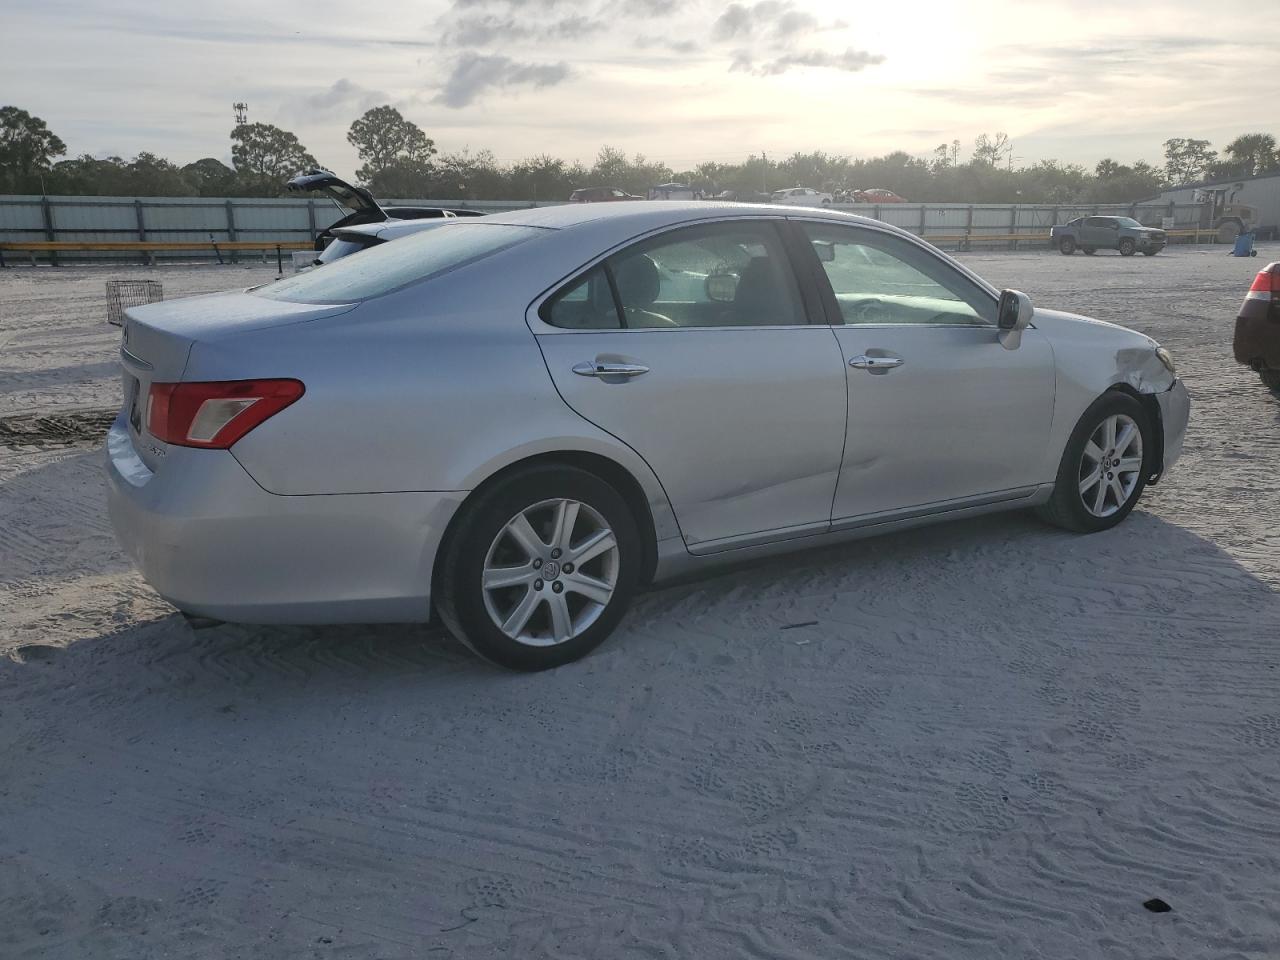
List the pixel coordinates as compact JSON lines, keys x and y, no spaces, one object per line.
{"x":694,"y":348}
{"x":1099,"y":232}
{"x":940,"y":413}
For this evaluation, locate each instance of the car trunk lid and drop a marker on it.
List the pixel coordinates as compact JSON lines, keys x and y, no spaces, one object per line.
{"x":353,"y":198}
{"x":157,"y":340}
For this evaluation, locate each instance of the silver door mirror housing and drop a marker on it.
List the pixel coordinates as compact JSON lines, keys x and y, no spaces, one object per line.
{"x":1012,"y":317}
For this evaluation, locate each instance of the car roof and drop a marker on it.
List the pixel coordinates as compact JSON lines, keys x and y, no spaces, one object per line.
{"x":655,"y":214}
{"x":391,"y":229}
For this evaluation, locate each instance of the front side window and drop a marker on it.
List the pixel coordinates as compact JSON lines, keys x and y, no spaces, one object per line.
{"x":881,"y":279}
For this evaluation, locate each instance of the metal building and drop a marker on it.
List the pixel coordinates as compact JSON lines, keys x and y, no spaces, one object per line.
{"x":1261,"y":192}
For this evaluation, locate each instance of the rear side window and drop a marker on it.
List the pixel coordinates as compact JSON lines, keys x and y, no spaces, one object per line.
{"x":391,"y":266}
{"x":587,"y":304}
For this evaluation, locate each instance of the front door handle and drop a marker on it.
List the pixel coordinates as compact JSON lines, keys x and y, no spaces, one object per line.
{"x":598,"y":368}
{"x":863,"y":362}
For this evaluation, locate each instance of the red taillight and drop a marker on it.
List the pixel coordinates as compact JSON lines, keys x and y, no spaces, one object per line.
{"x":215,"y":414}
{"x":1265,"y":283}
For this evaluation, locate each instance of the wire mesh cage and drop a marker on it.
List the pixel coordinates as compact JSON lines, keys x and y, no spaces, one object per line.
{"x":122,"y":294}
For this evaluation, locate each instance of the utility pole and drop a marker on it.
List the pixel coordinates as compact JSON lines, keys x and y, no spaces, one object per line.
{"x":764,"y":172}
{"x":242,"y":113}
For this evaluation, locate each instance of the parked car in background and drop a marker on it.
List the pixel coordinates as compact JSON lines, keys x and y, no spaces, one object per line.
{"x":361,"y":206}
{"x":742,"y":196}
{"x":1092,"y":234}
{"x":665,"y":387}
{"x":877,"y":195}
{"x":802,"y":197}
{"x":674,"y":191}
{"x":1257,"y":339}
{"x":600,"y":195}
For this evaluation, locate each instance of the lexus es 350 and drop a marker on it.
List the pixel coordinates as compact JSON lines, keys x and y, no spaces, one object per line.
{"x":518,"y":421}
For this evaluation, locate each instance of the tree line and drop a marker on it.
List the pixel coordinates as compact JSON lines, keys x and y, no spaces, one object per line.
{"x":398,"y":160}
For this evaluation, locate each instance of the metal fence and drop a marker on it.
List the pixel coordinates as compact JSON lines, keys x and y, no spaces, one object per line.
{"x":290,"y":220}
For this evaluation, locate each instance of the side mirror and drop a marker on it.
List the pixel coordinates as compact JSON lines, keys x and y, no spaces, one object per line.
{"x":1012,"y":317}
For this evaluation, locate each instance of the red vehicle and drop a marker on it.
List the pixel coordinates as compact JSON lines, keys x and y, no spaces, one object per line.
{"x":600,"y":195}
{"x":1257,"y":339}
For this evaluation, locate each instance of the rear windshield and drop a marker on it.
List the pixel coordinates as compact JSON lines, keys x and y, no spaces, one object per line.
{"x":390,"y":266}
{"x":345,"y":244}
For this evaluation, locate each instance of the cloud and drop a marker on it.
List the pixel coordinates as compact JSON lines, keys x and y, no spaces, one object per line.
{"x":769,"y":33}
{"x":1039,"y":76}
{"x":778,"y":19}
{"x":482,"y":30}
{"x":342,"y":99}
{"x":474,"y":74}
{"x":849,"y":60}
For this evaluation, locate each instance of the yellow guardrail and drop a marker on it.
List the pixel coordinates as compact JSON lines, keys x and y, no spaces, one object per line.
{"x":151,"y":247}
{"x":39,"y":246}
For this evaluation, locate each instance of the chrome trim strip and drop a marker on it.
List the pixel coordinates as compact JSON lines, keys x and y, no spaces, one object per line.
{"x":135,"y":360}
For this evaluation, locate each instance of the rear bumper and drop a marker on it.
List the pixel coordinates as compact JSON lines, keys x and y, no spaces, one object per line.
{"x":1257,"y":336}
{"x":1175,"y":412}
{"x":214,"y":543}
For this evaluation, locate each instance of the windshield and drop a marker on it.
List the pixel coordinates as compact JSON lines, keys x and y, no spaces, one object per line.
{"x":1127,"y":222}
{"x":390,"y":266}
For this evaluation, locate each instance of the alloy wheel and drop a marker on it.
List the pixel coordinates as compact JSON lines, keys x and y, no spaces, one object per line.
{"x":1111,"y":465}
{"x":550,"y":572}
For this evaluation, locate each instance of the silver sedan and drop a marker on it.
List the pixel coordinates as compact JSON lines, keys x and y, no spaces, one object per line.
{"x":516,"y":422}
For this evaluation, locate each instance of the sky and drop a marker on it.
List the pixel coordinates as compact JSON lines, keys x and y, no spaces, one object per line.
{"x":677,"y":80}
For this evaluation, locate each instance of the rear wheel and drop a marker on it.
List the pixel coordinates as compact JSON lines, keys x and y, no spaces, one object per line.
{"x":1103,"y":469}
{"x":1127,"y":247}
{"x":540,"y":568}
{"x":1067,"y":246}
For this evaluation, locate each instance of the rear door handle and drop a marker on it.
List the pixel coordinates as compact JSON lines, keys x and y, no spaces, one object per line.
{"x":863,"y":362}
{"x":596,"y":368}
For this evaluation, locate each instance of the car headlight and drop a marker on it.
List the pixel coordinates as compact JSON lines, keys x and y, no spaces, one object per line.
{"x":1167,"y":359}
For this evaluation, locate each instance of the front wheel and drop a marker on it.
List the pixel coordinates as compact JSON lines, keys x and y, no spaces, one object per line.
{"x":1127,"y":247}
{"x":540,"y":568}
{"x":1067,"y":246}
{"x":1104,"y":468}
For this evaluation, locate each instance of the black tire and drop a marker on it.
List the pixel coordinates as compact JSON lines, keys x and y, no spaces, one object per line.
{"x":460,"y":597}
{"x":1066,"y":508}
{"x":1270,"y":378}
{"x":1228,"y":231}
{"x":1067,"y":246}
{"x":1089,"y":251}
{"x":1127,"y":247}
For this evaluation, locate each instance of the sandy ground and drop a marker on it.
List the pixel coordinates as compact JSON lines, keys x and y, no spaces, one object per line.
{"x":985,"y":739}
